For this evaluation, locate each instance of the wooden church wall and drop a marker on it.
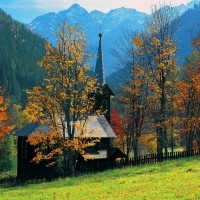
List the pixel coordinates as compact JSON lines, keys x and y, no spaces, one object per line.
{"x":26,"y":153}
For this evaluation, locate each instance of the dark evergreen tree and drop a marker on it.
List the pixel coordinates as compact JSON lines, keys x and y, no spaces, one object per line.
{"x":20,"y":49}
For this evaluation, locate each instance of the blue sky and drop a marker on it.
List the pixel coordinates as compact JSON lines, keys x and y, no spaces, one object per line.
{"x":26,"y":10}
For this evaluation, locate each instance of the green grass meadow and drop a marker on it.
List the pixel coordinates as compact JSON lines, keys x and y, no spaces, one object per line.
{"x":177,"y":179}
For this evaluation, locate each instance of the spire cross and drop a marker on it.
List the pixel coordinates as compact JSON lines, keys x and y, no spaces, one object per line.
{"x":100,"y":35}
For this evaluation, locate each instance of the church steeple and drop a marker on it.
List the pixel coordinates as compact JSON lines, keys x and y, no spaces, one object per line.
{"x":99,"y":70}
{"x":102,"y":99}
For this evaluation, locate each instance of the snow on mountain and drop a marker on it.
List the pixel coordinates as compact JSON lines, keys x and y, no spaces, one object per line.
{"x":111,"y":25}
{"x":97,"y":15}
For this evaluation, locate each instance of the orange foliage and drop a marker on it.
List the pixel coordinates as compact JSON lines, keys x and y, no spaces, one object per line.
{"x":189,"y":96}
{"x":5,"y":126}
{"x":149,"y":141}
{"x":195,"y":145}
{"x":196,"y":41}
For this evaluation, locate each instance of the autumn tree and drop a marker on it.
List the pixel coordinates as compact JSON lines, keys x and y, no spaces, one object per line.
{"x":189,"y":99}
{"x":64,"y":101}
{"x":135,"y":98}
{"x":134,"y":88}
{"x":5,"y":128}
{"x":5,"y":121}
{"x":159,"y":48}
{"x":172,"y":111}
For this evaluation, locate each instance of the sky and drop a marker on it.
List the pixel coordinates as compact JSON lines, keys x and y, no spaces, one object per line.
{"x":27,"y":10}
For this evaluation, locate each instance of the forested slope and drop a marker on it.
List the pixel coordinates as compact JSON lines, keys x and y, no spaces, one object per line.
{"x":20,"y":49}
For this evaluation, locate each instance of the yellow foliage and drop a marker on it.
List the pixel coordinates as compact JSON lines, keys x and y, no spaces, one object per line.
{"x":153,"y":30}
{"x":138,"y":42}
{"x":149,"y":141}
{"x":64,"y":97}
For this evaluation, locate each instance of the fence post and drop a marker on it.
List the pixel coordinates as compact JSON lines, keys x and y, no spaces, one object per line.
{"x":160,"y":157}
{"x":152,"y":158}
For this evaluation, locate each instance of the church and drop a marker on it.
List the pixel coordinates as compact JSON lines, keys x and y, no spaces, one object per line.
{"x":103,"y":153}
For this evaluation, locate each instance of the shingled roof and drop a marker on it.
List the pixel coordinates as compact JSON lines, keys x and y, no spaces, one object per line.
{"x":101,"y":126}
{"x":98,"y":123}
{"x":32,"y":127}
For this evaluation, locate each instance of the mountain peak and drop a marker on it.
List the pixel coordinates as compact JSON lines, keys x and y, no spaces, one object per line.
{"x":75,"y":6}
{"x":74,"y":13}
{"x":75,"y":9}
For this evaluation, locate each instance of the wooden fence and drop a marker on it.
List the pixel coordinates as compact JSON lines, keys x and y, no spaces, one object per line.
{"x":140,"y":160}
{"x":131,"y":162}
{"x":156,"y":158}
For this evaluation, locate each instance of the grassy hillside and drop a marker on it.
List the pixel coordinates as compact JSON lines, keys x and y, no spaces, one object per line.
{"x":177,"y":179}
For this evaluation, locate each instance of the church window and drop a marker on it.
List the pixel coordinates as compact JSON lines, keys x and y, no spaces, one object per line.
{"x":104,"y":104}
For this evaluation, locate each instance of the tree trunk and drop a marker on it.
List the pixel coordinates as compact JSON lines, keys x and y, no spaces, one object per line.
{"x":189,"y":140}
{"x":71,"y":164}
{"x":161,"y":133}
{"x":64,"y":160}
{"x":135,"y":147}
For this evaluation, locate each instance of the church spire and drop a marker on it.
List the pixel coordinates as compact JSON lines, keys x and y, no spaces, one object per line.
{"x":99,"y":70}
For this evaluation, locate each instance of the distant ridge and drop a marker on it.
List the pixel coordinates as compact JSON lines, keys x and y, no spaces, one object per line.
{"x":111,"y":23}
